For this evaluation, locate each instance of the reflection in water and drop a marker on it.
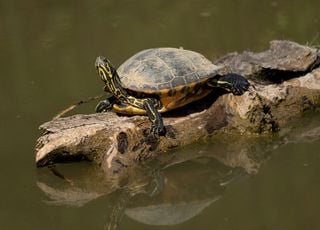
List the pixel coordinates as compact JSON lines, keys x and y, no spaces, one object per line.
{"x":179,"y":186}
{"x":75,"y":190}
{"x":158,"y":197}
{"x":189,"y":188}
{"x":69,"y":196}
{"x":174,"y":190}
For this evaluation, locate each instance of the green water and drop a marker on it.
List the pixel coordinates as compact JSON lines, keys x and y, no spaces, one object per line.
{"x":47,"y":53}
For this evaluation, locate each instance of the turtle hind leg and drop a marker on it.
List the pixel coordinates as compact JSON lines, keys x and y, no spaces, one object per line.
{"x":235,"y":83}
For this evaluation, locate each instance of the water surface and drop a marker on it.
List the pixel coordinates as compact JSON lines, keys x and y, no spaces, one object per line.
{"x":47,"y":53}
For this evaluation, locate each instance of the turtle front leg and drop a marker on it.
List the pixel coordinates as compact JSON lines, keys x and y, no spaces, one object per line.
{"x":105,"y":105}
{"x":157,"y":127}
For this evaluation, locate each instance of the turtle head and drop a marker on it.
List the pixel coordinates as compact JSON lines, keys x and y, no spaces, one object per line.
{"x":105,"y":69}
{"x":110,"y":77}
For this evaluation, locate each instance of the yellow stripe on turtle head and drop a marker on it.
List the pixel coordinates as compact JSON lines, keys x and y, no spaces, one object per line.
{"x":102,"y":73}
{"x":104,"y":68}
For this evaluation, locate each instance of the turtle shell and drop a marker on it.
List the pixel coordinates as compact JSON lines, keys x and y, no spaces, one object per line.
{"x":176,"y":76}
{"x":162,"y":69}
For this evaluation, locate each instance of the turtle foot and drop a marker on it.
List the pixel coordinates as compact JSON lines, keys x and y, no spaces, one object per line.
{"x":237,"y":83}
{"x":103,"y":106}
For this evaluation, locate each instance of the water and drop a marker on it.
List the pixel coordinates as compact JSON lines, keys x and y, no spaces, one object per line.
{"x":47,"y":51}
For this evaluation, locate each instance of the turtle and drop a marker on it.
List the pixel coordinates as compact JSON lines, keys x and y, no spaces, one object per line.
{"x":157,"y":80}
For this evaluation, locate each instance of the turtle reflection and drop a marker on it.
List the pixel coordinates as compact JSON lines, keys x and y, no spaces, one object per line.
{"x":168,"y":196}
{"x":188,"y":189}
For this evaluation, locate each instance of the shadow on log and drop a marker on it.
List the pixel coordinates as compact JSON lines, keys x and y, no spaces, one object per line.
{"x":286,"y":80}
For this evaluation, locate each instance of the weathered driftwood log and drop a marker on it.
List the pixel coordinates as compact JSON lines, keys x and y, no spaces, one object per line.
{"x":286,"y":80}
{"x":215,"y":165}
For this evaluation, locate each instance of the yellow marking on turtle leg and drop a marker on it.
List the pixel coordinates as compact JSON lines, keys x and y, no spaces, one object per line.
{"x":128,"y":109}
{"x":154,"y":116}
{"x":135,"y":102}
{"x":151,"y":112}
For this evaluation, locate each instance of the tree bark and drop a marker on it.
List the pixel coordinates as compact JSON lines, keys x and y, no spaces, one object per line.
{"x":285,"y":84}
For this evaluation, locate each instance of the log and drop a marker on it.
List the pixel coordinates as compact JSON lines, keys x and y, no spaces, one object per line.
{"x":285,"y":84}
{"x":215,"y":166}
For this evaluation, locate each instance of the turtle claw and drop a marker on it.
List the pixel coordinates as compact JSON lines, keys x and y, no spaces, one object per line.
{"x":238,"y":84}
{"x":240,"y":88}
{"x":103,"y":106}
